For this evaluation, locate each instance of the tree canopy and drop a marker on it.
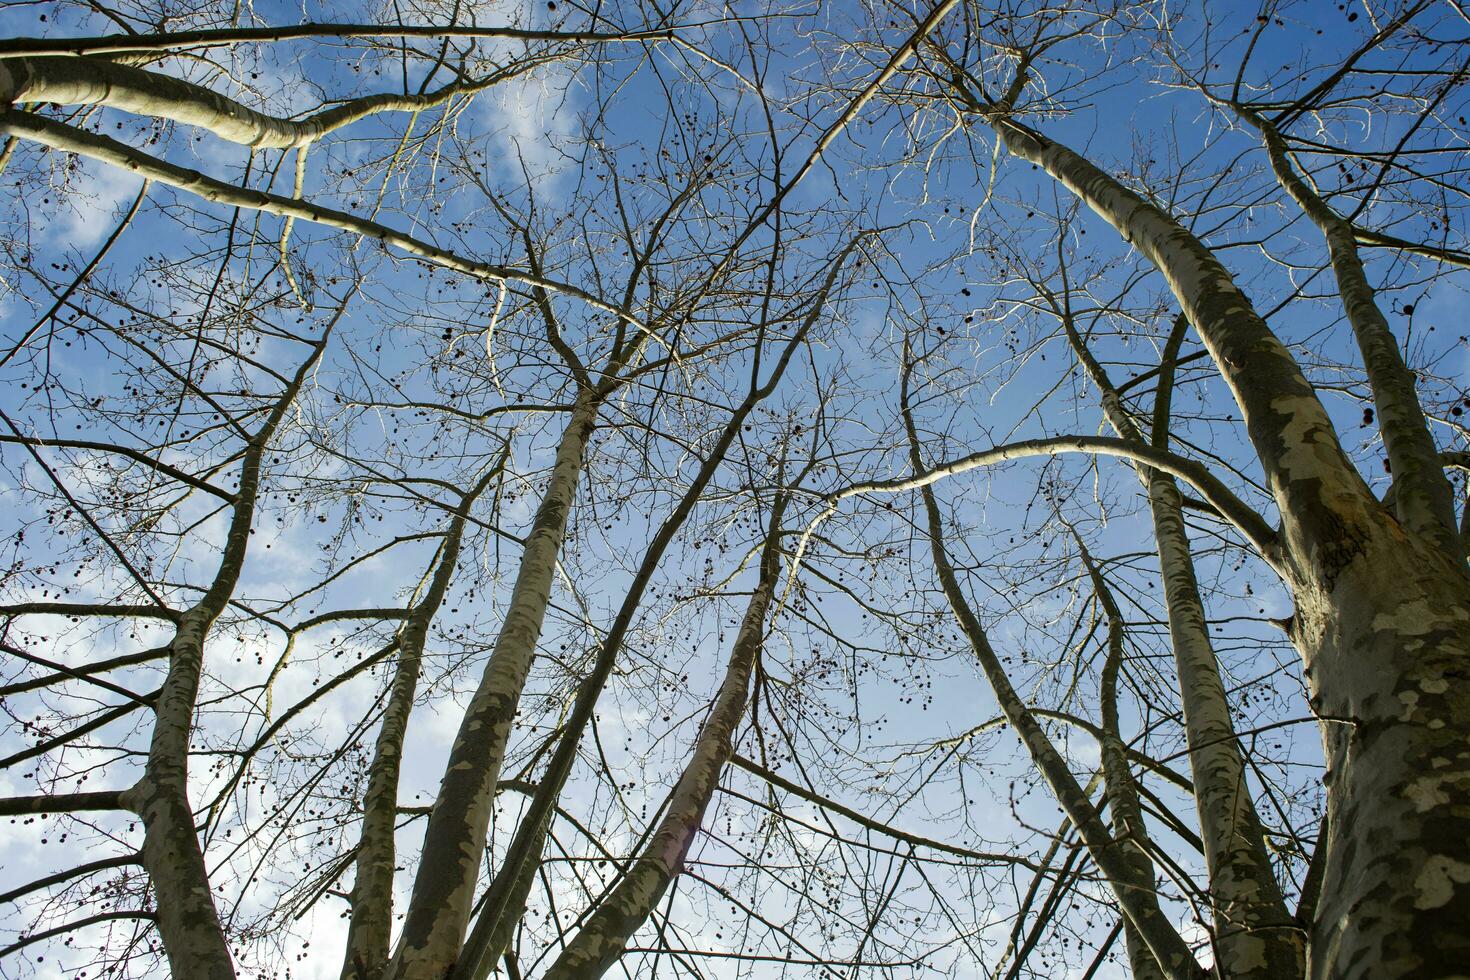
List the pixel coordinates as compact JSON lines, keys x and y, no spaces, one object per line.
{"x":931,"y":488}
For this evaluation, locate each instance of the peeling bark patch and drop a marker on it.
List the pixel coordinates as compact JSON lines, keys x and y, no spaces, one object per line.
{"x":1305,"y":455}
{"x":1417,"y":616}
{"x":1437,"y":880}
{"x":1427,"y":792}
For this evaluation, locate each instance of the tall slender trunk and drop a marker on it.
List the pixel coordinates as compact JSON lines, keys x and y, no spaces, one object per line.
{"x":1255,"y":934}
{"x":1423,"y":499}
{"x":454,"y":841}
{"x":368,"y":933}
{"x":606,"y":931}
{"x":1382,"y":620}
{"x":188,"y":921}
{"x":1131,"y":885}
{"x":1120,"y":790}
{"x":505,"y":899}
{"x":1128,"y":826}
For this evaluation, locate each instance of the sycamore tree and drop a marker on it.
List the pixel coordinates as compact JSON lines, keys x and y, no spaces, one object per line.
{"x":888,"y":489}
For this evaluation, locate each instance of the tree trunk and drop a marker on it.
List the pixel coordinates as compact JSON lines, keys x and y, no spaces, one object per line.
{"x":1387,"y":647}
{"x":1382,"y":620}
{"x":1133,"y":888}
{"x":606,"y":931}
{"x":372,"y":889}
{"x":504,"y":903}
{"x":1255,"y":935}
{"x":1423,"y":500}
{"x":1121,"y":792}
{"x":188,"y":921}
{"x":454,"y":842}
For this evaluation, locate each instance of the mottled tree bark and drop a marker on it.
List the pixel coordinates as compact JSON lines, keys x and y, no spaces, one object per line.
{"x":372,"y":889}
{"x":1382,"y":621}
{"x":1386,"y":647}
{"x":186,"y":916}
{"x":187,"y":919}
{"x":1255,"y":935}
{"x":605,"y":932}
{"x":1423,"y":500}
{"x":1119,"y":860}
{"x":454,"y":841}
